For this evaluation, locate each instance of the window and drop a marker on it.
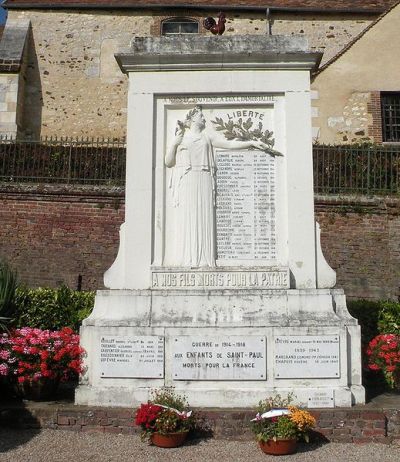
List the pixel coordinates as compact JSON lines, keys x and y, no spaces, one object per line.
{"x":390,"y":104}
{"x":179,"y":26}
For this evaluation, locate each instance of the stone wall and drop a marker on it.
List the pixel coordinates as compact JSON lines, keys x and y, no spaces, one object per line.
{"x":74,"y":86}
{"x":53,"y":235}
{"x":9,"y":84}
{"x":353,"y":125}
{"x":326,"y":33}
{"x":13,"y":53}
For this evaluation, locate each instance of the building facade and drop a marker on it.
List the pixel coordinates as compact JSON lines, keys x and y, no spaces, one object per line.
{"x":74,"y":87}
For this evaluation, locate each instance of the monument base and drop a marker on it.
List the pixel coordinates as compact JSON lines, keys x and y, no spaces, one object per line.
{"x":218,"y":398}
{"x":222,"y":348}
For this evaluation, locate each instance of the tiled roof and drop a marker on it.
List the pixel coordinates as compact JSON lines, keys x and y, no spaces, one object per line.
{"x":377,"y":6}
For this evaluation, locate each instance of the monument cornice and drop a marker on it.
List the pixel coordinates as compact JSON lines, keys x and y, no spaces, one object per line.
{"x":130,"y":63}
{"x":149,"y":54}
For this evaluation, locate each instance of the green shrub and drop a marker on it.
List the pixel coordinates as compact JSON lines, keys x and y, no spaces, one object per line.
{"x":376,"y":317}
{"x":389,"y":318}
{"x":52,"y":309}
{"x":8,"y":285}
{"x":367,"y":313}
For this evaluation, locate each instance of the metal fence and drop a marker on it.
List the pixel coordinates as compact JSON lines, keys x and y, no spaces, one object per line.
{"x":337,"y":169}
{"x":364,"y":169}
{"x":64,"y":160}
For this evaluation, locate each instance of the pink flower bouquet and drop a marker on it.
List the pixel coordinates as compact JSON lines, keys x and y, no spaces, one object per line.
{"x":30,"y":355}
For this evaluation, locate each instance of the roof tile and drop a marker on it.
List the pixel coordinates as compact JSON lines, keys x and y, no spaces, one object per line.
{"x":321,"y":5}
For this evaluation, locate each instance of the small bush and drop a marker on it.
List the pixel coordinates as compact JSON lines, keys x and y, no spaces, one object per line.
{"x":389,"y":318}
{"x":367,"y":313}
{"x":53,"y":309}
{"x":375,"y":318}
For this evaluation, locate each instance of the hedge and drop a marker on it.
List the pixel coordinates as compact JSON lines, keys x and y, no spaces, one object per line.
{"x":52,"y":309}
{"x":376,"y":317}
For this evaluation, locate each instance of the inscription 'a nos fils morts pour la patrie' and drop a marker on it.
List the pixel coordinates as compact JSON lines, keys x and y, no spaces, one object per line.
{"x":134,"y":357}
{"x":245,"y":209}
{"x":307,"y":356}
{"x":219,"y":358}
{"x":268,"y":279}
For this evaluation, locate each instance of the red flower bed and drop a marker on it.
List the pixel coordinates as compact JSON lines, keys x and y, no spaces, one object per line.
{"x":384,"y":354}
{"x":29,"y":354}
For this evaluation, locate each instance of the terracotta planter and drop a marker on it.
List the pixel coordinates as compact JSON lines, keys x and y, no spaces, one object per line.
{"x":171,"y":440}
{"x":279,"y":447}
{"x":41,"y":390}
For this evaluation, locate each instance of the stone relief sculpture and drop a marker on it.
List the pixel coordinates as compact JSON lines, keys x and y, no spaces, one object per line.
{"x":192,"y":182}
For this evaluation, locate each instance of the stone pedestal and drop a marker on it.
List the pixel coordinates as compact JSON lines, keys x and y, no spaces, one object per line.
{"x":220,"y":288}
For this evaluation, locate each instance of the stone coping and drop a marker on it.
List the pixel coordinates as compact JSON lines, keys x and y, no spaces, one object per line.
{"x":75,"y":189}
{"x":61,"y":190}
{"x":12,"y":45}
{"x":199,"y":44}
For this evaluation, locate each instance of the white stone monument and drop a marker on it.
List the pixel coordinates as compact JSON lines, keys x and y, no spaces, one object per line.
{"x":220,"y":288}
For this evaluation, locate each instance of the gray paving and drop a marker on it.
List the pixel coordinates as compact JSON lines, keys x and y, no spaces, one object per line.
{"x":57,"y":445}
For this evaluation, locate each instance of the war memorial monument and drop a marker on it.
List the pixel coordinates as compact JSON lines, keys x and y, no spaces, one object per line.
{"x":220,"y":288}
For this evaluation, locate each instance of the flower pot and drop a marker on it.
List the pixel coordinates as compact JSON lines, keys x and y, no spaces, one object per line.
{"x":170,"y":440}
{"x":279,"y":447}
{"x":40,"y":390}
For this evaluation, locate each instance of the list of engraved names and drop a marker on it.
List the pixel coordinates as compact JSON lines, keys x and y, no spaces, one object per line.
{"x":245,"y":206}
{"x":133,"y":356}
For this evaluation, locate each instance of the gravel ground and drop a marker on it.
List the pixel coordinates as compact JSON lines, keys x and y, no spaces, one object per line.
{"x":53,"y":445}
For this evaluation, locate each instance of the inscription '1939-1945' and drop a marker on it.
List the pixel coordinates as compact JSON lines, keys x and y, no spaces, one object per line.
{"x":221,"y":279}
{"x":307,"y":356}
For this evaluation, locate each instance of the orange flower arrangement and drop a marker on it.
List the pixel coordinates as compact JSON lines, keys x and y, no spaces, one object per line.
{"x":277,"y":419}
{"x":303,"y":420}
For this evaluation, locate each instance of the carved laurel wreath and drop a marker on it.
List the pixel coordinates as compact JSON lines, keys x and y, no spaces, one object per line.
{"x":244,"y":131}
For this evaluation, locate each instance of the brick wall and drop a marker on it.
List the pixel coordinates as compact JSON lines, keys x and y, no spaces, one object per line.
{"x":361,"y":241}
{"x":341,"y":425}
{"x":53,"y":235}
{"x":374,"y":108}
